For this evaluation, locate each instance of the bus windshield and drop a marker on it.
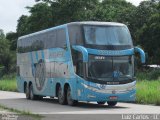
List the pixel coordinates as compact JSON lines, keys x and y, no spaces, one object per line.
{"x":101,"y":67}
{"x":107,"y":35}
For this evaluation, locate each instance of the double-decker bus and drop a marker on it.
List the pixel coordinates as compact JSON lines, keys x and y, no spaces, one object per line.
{"x":78,"y":61}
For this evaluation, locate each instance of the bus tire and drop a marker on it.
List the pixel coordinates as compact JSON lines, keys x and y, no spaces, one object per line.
{"x":70,"y":101}
{"x":27,"y":92}
{"x":31,"y":93}
{"x":61,"y":96}
{"x":101,"y":103}
{"x":40,"y":97}
{"x":111,"y":103}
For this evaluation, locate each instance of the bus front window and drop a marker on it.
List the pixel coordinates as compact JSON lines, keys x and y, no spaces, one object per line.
{"x":105,"y":68}
{"x":107,"y":35}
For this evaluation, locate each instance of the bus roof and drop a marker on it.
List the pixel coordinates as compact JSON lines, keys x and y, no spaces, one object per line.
{"x":97,"y":23}
{"x":74,"y":23}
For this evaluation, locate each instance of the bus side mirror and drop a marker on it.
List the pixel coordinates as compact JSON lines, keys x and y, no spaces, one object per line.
{"x":146,"y":55}
{"x":82,"y":50}
{"x":142,"y":54}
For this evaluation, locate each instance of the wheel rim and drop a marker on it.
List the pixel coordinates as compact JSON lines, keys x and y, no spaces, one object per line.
{"x":69,"y":98}
{"x":60,"y":97}
{"x":27,"y":93}
{"x":31,"y":93}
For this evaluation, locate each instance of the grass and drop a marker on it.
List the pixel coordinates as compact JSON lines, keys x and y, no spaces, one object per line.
{"x":148,"y":92}
{"x":8,"y":84}
{"x":148,"y":86}
{"x":22,"y":113}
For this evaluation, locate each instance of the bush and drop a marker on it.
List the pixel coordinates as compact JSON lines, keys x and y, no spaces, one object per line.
{"x":8,"y":83}
{"x":149,"y":74}
{"x":148,"y":92}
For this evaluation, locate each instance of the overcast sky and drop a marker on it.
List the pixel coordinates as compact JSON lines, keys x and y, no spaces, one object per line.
{"x":11,"y":10}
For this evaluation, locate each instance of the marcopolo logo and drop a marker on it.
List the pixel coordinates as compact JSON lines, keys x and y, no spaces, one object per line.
{"x":102,"y":86}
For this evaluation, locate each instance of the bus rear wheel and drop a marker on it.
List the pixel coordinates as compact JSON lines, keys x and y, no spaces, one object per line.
{"x":27,"y":92}
{"x":70,"y":101}
{"x":101,"y":103}
{"x":31,"y":93}
{"x":111,"y":103}
{"x":61,"y":96}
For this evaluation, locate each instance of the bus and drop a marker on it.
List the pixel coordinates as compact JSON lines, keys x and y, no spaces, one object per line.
{"x":79,"y":61}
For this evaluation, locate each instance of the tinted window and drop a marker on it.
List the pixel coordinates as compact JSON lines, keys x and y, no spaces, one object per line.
{"x":109,"y":35}
{"x":51,"y":39}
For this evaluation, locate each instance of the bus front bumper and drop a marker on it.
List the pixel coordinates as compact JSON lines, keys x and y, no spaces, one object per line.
{"x":124,"y":92}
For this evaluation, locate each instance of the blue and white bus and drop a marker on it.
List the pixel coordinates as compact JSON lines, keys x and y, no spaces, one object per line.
{"x":79,"y":61}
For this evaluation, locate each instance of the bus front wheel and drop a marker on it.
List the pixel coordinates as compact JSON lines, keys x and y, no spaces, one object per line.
{"x":111,"y":103}
{"x":61,"y":96}
{"x":70,"y":101}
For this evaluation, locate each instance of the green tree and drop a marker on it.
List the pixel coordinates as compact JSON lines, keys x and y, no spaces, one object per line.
{"x":12,"y":37}
{"x":7,"y":58}
{"x":111,"y":10}
{"x":64,"y":11}
{"x":149,"y":36}
{"x":40,"y":18}
{"x":139,"y":17}
{"x":22,"y":26}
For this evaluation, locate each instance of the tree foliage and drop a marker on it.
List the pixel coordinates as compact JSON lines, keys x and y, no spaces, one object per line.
{"x":7,"y":57}
{"x":149,"y":36}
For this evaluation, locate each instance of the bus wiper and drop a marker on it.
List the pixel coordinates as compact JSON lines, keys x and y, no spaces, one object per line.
{"x":126,"y":76}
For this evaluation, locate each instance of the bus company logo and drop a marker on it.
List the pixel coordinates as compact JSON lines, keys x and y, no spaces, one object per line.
{"x":99,"y":57}
{"x":102,"y":86}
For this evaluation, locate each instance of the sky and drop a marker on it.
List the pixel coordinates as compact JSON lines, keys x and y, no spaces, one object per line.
{"x":11,"y":10}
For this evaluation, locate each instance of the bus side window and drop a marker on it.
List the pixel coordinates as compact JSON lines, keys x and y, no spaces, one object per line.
{"x":77,"y":62}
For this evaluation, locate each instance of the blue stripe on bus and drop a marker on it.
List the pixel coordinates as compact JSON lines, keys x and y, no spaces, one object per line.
{"x":42,"y":53}
{"x":32,"y":63}
{"x":36,"y":56}
{"x":31,"y":57}
{"x":111,"y":52}
{"x":69,"y":55}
